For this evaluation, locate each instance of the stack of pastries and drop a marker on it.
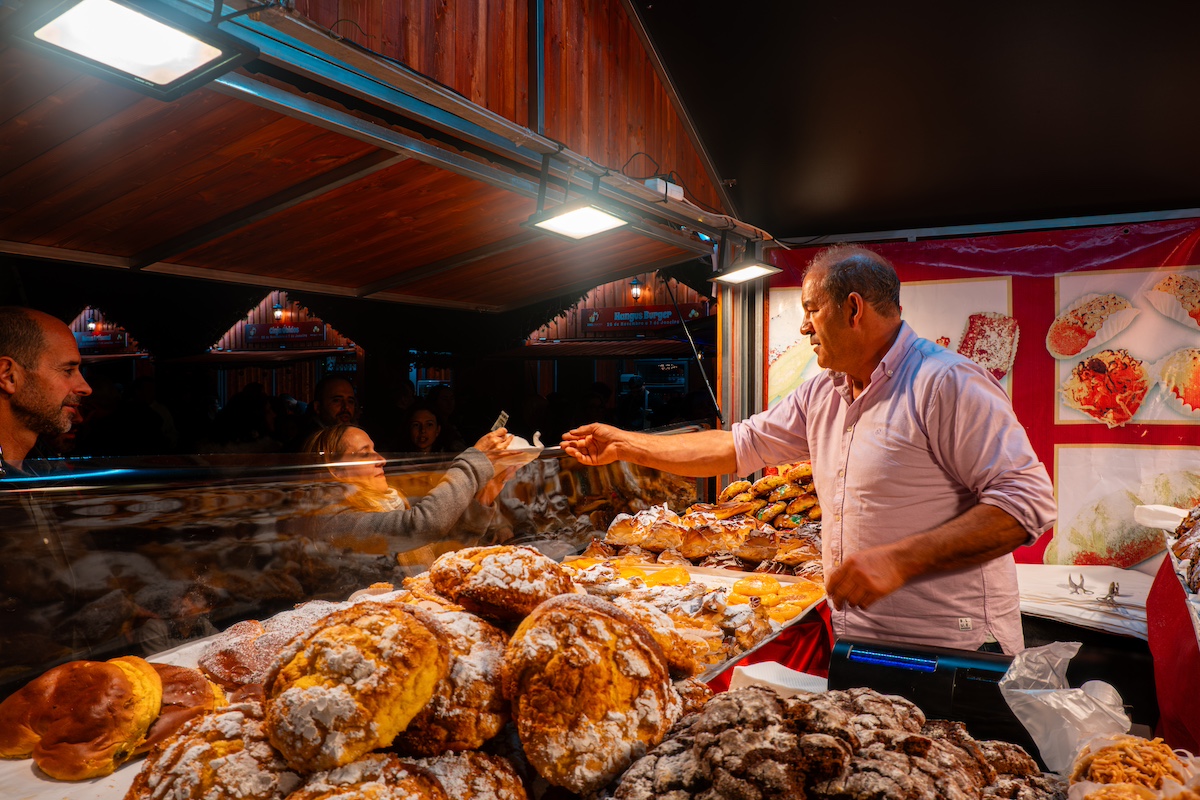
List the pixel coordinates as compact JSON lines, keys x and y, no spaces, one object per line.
{"x":770,"y":525}
{"x":497,"y":669}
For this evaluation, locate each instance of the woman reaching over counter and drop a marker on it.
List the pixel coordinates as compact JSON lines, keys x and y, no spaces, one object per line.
{"x":373,"y":518}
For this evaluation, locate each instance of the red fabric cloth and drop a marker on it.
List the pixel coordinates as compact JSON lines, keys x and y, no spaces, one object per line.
{"x":1176,"y":660}
{"x":805,"y":647}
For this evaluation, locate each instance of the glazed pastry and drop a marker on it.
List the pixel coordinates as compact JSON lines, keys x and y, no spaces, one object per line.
{"x":351,"y":684}
{"x":590,"y":691}
{"x":185,"y":694}
{"x":82,"y":719}
{"x":219,"y":756}
{"x":499,"y":582}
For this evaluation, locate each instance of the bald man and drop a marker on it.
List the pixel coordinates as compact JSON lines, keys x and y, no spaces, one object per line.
{"x":41,"y":386}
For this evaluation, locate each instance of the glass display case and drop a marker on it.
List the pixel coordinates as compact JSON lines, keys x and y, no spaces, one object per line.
{"x":104,"y":557}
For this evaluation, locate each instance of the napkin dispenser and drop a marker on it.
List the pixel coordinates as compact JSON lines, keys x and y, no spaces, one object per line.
{"x":961,"y":685}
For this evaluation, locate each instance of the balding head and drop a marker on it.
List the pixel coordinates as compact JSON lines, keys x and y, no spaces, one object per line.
{"x":843,"y":269}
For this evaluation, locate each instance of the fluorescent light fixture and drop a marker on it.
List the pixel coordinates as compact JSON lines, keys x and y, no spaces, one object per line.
{"x":142,"y":44}
{"x":577,"y":219}
{"x":744,"y":271}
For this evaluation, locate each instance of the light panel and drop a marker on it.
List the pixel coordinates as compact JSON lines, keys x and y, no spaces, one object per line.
{"x":580,"y":222}
{"x":144,"y":44}
{"x":740,"y":273}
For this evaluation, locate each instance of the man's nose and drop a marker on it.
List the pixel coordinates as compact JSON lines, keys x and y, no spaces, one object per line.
{"x":83,"y":388}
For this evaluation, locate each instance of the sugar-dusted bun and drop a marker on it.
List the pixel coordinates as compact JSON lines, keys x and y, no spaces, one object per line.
{"x":185,"y":694}
{"x":218,"y":756}
{"x":473,"y":775}
{"x":81,"y":719}
{"x":246,"y":651}
{"x":499,"y":582}
{"x":590,"y":691}
{"x":468,"y":707}
{"x":375,"y":776}
{"x":352,"y":683}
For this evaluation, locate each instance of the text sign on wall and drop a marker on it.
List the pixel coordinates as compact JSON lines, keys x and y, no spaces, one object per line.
{"x":639,"y":317}
{"x":100,"y":340}
{"x":279,"y":332}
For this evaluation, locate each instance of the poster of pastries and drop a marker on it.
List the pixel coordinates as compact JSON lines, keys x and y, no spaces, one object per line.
{"x":1099,"y":486}
{"x":1127,"y":347}
{"x":972,"y":316}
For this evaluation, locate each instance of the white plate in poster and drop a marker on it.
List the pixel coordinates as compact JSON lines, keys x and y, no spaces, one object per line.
{"x":1179,"y":370}
{"x":1169,"y":306}
{"x":1114,"y":323}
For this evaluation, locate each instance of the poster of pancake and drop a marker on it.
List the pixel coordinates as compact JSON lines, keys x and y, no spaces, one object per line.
{"x":972,"y":316}
{"x":1099,"y":486}
{"x":1127,"y":347}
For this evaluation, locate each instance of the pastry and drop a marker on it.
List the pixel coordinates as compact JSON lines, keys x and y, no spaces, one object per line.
{"x":375,"y":776}
{"x":476,"y":776}
{"x":81,"y":719}
{"x":185,"y":694}
{"x":351,"y":684}
{"x":246,"y":651}
{"x":694,"y":694}
{"x":732,"y":490}
{"x":1074,"y":329}
{"x":686,"y":651}
{"x":1186,"y":290}
{"x":990,"y":340}
{"x":418,"y":590}
{"x":499,"y":582}
{"x":1181,"y":377}
{"x":590,"y":691}
{"x":468,"y":707}
{"x":219,"y":756}
{"x":1109,"y":386}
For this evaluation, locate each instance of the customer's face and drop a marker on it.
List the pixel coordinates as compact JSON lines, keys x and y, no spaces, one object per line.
{"x":337,"y":404}
{"x":825,"y":324}
{"x":47,"y":400}
{"x":424,"y":430}
{"x":358,"y":461}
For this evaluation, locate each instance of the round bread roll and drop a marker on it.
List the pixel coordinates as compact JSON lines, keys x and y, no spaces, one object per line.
{"x":473,"y":775}
{"x":499,"y":582}
{"x":590,"y":691}
{"x":468,"y":707}
{"x":219,"y":756}
{"x":375,"y":776}
{"x":81,"y":719}
{"x":185,"y":694}
{"x":351,"y":684}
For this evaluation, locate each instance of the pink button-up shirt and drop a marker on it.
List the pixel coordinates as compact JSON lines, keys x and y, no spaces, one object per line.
{"x":931,"y":436}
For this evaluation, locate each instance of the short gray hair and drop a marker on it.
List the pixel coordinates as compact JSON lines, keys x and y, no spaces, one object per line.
{"x":21,"y":336}
{"x":849,"y":268}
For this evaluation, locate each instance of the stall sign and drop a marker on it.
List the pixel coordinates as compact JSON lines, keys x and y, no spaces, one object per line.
{"x":101,"y":340}
{"x":282,"y":332}
{"x":640,"y":317}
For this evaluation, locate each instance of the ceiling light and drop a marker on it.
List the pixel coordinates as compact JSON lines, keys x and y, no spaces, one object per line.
{"x":577,"y":219}
{"x":748,"y":267}
{"x":142,"y":44}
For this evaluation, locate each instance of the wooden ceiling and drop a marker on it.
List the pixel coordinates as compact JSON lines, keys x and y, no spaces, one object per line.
{"x":325,"y":168}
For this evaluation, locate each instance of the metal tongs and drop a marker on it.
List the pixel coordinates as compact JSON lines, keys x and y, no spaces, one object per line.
{"x":1077,"y":588}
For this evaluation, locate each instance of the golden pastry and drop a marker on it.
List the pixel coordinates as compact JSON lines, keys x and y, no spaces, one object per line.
{"x":499,"y":582}
{"x":375,"y":776}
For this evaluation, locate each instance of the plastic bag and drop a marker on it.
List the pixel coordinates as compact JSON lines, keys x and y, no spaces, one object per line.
{"x":1060,"y":719}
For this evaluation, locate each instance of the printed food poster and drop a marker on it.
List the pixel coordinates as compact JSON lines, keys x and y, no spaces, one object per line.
{"x":1127,"y":347}
{"x":972,"y":316}
{"x":1099,"y":486}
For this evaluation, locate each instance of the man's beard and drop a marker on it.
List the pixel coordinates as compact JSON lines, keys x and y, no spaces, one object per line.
{"x":40,"y":414}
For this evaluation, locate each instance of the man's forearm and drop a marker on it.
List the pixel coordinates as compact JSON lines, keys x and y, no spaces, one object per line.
{"x":974,"y":537}
{"x":699,"y":455}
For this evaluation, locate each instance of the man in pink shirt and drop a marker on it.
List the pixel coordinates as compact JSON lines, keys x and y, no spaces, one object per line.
{"x":926,"y":478}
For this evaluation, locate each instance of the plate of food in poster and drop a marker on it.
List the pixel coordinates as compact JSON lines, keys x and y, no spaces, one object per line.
{"x":1127,"y":351}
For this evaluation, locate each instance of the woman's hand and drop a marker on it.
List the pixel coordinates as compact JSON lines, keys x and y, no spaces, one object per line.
{"x":494,"y":444}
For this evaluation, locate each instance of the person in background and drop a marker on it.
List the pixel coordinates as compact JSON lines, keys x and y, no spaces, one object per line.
{"x":442,"y":401}
{"x":334,"y":403}
{"x":424,"y":430}
{"x":41,"y":386}
{"x":372,"y":517}
{"x":927,"y":479}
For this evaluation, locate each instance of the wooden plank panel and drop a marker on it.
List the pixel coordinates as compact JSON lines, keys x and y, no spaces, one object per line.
{"x":27,"y":77}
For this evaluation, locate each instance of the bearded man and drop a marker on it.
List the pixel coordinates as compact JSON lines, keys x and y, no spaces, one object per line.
{"x":41,"y":386}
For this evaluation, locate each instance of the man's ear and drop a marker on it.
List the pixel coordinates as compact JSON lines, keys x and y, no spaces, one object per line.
{"x":10,"y":373}
{"x":855,"y":307}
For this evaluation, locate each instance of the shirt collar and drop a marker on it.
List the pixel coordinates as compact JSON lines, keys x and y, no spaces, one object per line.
{"x":884,"y":369}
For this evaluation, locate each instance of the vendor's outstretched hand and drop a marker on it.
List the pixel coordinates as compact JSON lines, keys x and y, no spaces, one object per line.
{"x":594,"y":444}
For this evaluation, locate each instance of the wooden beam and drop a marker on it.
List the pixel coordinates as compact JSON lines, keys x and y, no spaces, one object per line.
{"x":268,"y":206}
